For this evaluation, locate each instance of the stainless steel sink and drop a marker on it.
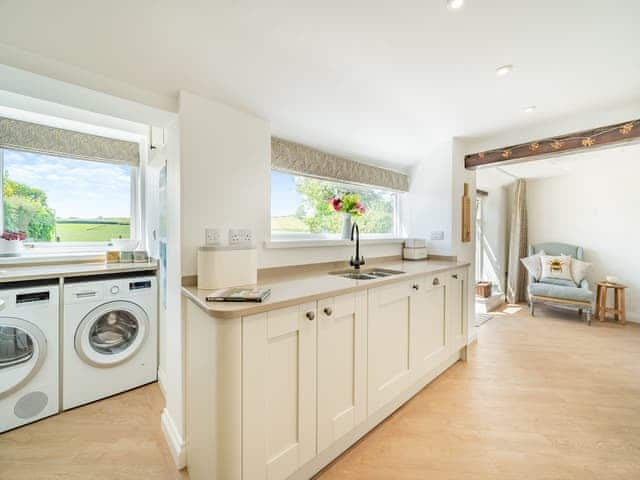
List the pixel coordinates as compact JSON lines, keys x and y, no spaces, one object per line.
{"x":367,"y":273}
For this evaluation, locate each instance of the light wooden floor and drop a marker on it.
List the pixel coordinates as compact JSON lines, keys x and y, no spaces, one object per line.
{"x":542,"y":398}
{"x":117,"y":438}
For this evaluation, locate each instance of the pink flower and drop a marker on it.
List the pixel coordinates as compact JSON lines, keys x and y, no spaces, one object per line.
{"x":336,"y":203}
{"x":360,"y":208}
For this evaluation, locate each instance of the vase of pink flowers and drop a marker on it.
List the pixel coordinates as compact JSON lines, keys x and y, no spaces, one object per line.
{"x":349,"y":205}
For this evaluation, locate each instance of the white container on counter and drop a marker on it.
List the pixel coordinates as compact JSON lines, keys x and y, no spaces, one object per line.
{"x":221,"y":267}
{"x":414,"y":253}
{"x":415,"y":243}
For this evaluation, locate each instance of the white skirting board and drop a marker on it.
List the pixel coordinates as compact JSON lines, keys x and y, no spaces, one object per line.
{"x":174,"y":440}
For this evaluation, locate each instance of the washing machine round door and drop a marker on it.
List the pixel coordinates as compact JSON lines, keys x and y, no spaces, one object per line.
{"x":23,"y":349}
{"x":111,"y":333}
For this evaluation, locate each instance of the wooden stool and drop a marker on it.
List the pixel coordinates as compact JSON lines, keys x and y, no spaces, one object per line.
{"x":619,"y":310}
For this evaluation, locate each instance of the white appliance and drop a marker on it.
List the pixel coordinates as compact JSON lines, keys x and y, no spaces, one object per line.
{"x":28,"y":355}
{"x":110,"y":337}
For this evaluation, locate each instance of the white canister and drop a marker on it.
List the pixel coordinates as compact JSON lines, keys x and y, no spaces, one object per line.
{"x":221,"y":267}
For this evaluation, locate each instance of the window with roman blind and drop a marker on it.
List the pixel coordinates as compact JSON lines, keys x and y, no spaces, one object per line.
{"x":64,"y":188}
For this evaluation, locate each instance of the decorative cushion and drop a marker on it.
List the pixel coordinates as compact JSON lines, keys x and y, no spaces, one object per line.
{"x":560,"y":291}
{"x":556,"y":268}
{"x":579,"y":270}
{"x":533,"y":264}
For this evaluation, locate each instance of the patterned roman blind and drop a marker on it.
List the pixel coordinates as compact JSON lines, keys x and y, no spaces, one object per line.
{"x":295,"y":158}
{"x":33,"y":137}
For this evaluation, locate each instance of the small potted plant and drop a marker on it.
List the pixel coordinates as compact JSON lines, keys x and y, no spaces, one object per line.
{"x":349,"y":205}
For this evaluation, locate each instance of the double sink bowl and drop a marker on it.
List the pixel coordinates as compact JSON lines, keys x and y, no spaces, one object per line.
{"x":366,"y":274}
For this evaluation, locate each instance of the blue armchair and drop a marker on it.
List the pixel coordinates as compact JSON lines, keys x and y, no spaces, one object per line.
{"x":562,"y":292}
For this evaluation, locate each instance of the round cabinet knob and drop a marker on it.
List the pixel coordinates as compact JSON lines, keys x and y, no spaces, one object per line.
{"x":455,"y":275}
{"x":115,"y":289}
{"x":416,"y":287}
{"x":311,"y":316}
{"x":327,"y":311}
{"x":436,"y":281}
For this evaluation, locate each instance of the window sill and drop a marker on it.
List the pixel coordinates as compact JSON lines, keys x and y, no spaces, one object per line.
{"x":329,"y":243}
{"x":40,"y":258}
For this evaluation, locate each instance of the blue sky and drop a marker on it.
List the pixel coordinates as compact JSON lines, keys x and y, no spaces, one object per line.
{"x":284,"y":197}
{"x":74,"y":188}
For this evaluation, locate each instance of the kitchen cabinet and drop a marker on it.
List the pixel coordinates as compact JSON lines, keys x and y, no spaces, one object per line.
{"x":456,"y":309}
{"x":342,"y":372}
{"x":279,"y":391}
{"x":428,"y":324}
{"x":388,"y":343}
{"x":279,"y":394}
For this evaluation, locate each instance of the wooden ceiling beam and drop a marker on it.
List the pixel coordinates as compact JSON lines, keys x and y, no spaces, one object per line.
{"x":594,"y":138}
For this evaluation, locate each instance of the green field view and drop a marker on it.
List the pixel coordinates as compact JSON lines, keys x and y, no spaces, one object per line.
{"x":92,"y":230}
{"x":289,"y":223}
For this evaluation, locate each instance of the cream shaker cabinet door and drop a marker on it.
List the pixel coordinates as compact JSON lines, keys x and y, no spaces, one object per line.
{"x":456,"y":310}
{"x":278,"y":392}
{"x":388,"y":343}
{"x":428,"y":324}
{"x":342,"y":371}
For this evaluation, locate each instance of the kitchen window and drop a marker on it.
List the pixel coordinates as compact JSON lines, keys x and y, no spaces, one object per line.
{"x":300,"y":209}
{"x":67,"y":202}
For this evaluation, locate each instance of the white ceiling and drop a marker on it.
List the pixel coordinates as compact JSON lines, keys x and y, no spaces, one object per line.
{"x":490,"y":178}
{"x":376,"y":80}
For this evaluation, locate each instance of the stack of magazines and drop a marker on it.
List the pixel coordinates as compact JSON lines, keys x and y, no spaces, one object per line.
{"x":239,"y":295}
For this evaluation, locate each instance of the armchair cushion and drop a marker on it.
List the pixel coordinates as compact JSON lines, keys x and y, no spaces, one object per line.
{"x":556,"y":268}
{"x":561,"y":291}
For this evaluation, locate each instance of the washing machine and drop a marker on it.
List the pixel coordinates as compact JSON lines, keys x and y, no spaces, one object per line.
{"x":28,"y":354}
{"x":109,"y":337}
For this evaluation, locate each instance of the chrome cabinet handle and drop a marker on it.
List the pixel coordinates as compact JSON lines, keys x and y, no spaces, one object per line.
{"x":311,"y":316}
{"x":455,"y":275}
{"x":416,"y":287}
{"x":436,"y":281}
{"x":327,"y":311}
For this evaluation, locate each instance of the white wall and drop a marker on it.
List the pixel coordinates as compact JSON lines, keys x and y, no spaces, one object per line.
{"x":595,"y":206}
{"x":225,"y":172}
{"x":428,"y":205}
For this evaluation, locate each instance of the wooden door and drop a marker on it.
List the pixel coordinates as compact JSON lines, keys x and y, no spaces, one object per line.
{"x":342,"y":370}
{"x":428,"y":324}
{"x":279,"y":392}
{"x":388,"y":343}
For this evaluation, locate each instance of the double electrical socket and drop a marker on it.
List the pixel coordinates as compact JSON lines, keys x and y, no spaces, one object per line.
{"x":238,"y":237}
{"x":212,"y":236}
{"x":241,"y":237}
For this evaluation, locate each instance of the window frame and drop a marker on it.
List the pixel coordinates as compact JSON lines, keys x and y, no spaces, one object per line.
{"x":53,"y":247}
{"x":332,"y":238}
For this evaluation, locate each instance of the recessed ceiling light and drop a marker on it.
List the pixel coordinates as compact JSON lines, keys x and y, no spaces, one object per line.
{"x":455,"y":4}
{"x":529,"y":109}
{"x":504,"y":70}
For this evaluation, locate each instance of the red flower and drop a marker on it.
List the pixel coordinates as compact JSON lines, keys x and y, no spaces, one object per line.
{"x":336,"y":203}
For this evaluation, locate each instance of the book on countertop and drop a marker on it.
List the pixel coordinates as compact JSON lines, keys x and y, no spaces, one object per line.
{"x":239,"y":295}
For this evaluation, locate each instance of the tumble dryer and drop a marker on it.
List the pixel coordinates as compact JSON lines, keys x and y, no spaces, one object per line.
{"x":28,"y":354}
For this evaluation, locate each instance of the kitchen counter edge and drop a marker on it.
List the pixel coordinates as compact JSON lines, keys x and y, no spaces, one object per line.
{"x":230,"y":310}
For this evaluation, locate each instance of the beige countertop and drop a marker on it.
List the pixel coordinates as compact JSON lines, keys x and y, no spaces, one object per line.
{"x":20,"y":273}
{"x":297,"y":286}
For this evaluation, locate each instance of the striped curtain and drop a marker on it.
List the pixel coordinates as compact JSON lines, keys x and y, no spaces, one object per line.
{"x":518,"y":242}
